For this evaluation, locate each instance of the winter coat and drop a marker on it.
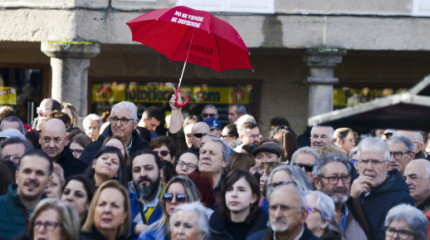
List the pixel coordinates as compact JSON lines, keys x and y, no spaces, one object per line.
{"x":70,"y":164}
{"x":382,"y":198}
{"x":268,"y":235}
{"x":136,"y":209}
{"x":153,"y":233}
{"x":96,"y":235}
{"x":357,"y":223}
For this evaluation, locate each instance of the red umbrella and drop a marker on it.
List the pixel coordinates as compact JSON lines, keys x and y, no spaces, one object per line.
{"x":189,"y":35}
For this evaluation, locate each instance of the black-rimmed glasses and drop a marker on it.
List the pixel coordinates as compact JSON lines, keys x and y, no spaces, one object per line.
{"x":48,"y":225}
{"x":123,"y":121}
{"x":333,"y":180}
{"x":402,"y":234}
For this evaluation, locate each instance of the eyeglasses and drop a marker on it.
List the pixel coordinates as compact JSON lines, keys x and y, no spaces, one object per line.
{"x":11,"y":158}
{"x":163,"y":152}
{"x":398,"y":155}
{"x":308,"y":167}
{"x":311,"y":209}
{"x":189,"y":165}
{"x":276,"y":185}
{"x":48,"y":225}
{"x":402,"y":234}
{"x":180,"y":197}
{"x":205,"y":115}
{"x":333,"y":180}
{"x":255,"y":136}
{"x":282,"y":207}
{"x":372,"y":162}
{"x":123,"y":121}
{"x":199,"y":135}
{"x":76,"y":151}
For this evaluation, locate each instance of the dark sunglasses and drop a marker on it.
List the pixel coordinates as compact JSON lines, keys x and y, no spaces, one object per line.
{"x":180,"y":197}
{"x":199,"y":135}
{"x":208,"y":115}
{"x":308,"y":167}
{"x":162,"y":152}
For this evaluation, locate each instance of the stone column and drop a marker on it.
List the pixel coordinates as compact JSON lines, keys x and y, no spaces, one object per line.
{"x":322,"y":62}
{"x":69,"y":63}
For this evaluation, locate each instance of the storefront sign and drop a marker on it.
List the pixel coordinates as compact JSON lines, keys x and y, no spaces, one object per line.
{"x":347,"y":97}
{"x":7,"y":95}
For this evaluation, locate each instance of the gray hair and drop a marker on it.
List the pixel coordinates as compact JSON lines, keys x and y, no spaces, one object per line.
{"x":210,"y":106}
{"x":375,"y":145}
{"x":300,"y":193}
{"x":16,"y":140}
{"x":196,"y":207}
{"x":325,"y":205}
{"x":326,"y":159}
{"x":14,"y":119}
{"x":92,"y":117}
{"x":410,"y":147}
{"x":412,"y":216}
{"x":131,"y":107}
{"x":304,"y":150}
{"x":331,"y":133}
{"x":296,"y":173}
{"x":226,"y":151}
{"x":240,"y":109}
{"x":243,"y":119}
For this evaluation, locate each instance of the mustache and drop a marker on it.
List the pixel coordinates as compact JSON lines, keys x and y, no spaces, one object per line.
{"x":140,"y":180}
{"x":394,"y":164}
{"x":279,"y":220}
{"x":29,"y":182}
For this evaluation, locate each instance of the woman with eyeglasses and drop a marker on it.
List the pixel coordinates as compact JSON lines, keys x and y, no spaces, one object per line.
{"x":54,"y":219}
{"x":78,"y":144}
{"x":238,"y":215}
{"x":108,"y":164}
{"x":187,"y":163}
{"x":178,"y":190}
{"x":405,"y":222}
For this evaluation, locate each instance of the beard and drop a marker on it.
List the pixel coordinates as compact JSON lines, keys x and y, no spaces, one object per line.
{"x":339,"y":194}
{"x":147,"y":191}
{"x":279,"y":225}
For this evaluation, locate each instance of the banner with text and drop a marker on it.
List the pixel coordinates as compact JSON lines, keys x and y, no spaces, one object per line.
{"x":7,"y":95}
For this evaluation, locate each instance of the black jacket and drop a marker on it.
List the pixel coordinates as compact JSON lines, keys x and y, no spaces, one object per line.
{"x":95,"y":235}
{"x":268,"y":235}
{"x":391,"y":192}
{"x":219,"y":229}
{"x":70,"y":164}
{"x":91,"y":150}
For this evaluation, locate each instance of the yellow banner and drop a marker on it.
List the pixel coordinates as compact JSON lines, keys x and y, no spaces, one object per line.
{"x":7,"y":95}
{"x":161,"y":94}
{"x":347,"y":97}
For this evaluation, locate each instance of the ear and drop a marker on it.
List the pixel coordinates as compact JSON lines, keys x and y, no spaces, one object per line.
{"x":305,"y":214}
{"x":202,"y":236}
{"x":224,"y":164}
{"x":40,"y":139}
{"x":16,"y":177}
{"x":324,"y":224}
{"x":66,"y":140}
{"x":93,"y":164}
{"x":135,"y":124}
{"x":254,"y":198}
{"x":317,"y":183}
{"x":412,"y":155}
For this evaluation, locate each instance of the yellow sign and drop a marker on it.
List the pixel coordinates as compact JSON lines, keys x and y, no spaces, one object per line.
{"x":133,"y":92}
{"x":7,"y":95}
{"x":347,"y":97}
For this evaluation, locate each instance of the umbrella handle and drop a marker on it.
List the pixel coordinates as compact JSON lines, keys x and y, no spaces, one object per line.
{"x":176,"y":100}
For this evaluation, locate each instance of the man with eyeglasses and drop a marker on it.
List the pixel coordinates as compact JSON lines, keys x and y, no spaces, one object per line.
{"x":151,"y":119}
{"x":305,"y":158}
{"x":418,"y":141}
{"x":287,"y":216}
{"x":123,"y":124}
{"x":332,"y":177}
{"x":164,"y":147}
{"x":377,"y":188}
{"x":417,"y":177}
{"x":209,"y":111}
{"x":402,"y":151}
{"x":249,"y":133}
{"x":12,"y":149}
{"x":33,"y":173}
{"x":53,"y":141}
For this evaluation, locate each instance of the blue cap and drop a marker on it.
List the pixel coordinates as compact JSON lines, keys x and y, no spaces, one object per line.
{"x":212,"y":122}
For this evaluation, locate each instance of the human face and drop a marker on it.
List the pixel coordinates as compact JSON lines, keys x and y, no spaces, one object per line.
{"x":264,"y":157}
{"x":400,"y":162}
{"x":338,"y":192}
{"x":51,"y":217}
{"x":347,"y":144}
{"x":53,"y":189}
{"x":418,"y":183}
{"x":187,"y":164}
{"x":285,"y":214}
{"x":174,"y":188}
{"x":308,"y":159}
{"x":251,"y":136}
{"x":92,"y":130}
{"x":225,"y":136}
{"x":13,"y":152}
{"x":398,"y":225}
{"x":162,"y":150}
{"x":109,"y":212}
{"x":320,"y":137}
{"x":232,"y":115}
{"x":281,"y":177}
{"x":150,"y":123}
{"x":53,"y":138}
{"x":107,"y":165}
{"x":211,"y":158}
{"x":378,"y":172}
{"x":114,"y":142}
{"x":146,"y":175}
{"x":45,"y":108}
{"x":123,"y":131}
{"x":263,"y":180}
{"x":314,"y":221}
{"x":75,"y":193}
{"x":32,"y":177}
{"x":76,"y":149}
{"x":186,"y":226}
{"x":200,"y":130}
{"x":209,"y":112}
{"x":239,"y":197}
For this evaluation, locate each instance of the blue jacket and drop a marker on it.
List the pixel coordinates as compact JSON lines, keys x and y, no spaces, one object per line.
{"x":14,"y":216}
{"x":153,"y":233}
{"x":391,"y":192}
{"x":136,"y":209}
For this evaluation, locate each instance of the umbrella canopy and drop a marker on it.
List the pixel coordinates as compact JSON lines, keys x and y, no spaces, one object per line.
{"x":409,"y":110}
{"x":183,"y":33}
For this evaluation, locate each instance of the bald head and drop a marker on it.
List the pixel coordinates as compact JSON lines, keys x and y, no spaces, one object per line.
{"x":53,"y":138}
{"x":417,"y":177}
{"x":199,"y":130}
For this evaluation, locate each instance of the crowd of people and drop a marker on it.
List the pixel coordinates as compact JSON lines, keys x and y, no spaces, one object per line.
{"x":117,"y":179}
